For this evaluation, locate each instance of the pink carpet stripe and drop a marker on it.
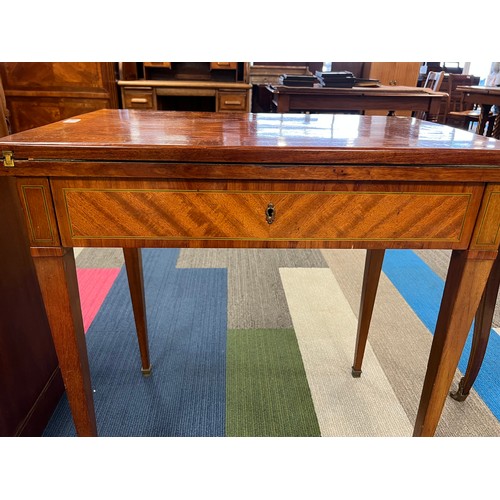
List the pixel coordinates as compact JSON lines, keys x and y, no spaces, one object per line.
{"x":94,"y":285}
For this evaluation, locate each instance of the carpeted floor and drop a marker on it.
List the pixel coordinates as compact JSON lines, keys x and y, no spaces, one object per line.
{"x":260,"y":343}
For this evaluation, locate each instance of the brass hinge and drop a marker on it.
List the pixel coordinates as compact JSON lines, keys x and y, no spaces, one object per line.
{"x":8,"y":158}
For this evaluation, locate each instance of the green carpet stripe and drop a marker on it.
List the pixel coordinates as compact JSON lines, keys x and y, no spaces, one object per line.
{"x":266,"y":387}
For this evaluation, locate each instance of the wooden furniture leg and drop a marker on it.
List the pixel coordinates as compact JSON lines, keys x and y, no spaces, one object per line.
{"x":482,"y":328}
{"x":373,"y":267}
{"x":496,"y":128}
{"x":483,"y":118}
{"x":467,"y":276}
{"x":133,"y":264}
{"x":56,"y":271}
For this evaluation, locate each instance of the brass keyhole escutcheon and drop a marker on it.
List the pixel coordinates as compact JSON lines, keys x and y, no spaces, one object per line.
{"x":270,"y":213}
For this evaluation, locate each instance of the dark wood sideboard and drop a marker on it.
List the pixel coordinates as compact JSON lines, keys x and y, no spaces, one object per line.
{"x":38,"y":93}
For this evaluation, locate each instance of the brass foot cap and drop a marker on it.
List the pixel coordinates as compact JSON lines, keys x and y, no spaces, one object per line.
{"x":356,"y":373}
{"x":459,"y":395}
{"x":146,"y":372}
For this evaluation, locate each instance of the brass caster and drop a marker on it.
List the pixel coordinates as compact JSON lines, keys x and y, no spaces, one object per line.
{"x":356,"y":373}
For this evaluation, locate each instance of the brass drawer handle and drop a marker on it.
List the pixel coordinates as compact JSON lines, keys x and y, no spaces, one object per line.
{"x":141,"y":100}
{"x":270,"y":213}
{"x":232,"y":103}
{"x":223,"y":64}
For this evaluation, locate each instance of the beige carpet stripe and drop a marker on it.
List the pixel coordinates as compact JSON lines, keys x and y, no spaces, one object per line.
{"x":401,"y":343}
{"x":326,"y":330}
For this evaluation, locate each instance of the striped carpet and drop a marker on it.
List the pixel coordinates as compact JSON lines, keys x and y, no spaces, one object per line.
{"x":260,"y":343}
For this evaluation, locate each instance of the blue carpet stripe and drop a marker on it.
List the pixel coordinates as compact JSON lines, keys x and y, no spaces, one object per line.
{"x":423,"y":289}
{"x":187,"y":322}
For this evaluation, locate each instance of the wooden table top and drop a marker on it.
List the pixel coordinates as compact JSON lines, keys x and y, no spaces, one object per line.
{"x":113,"y":135}
{"x":390,"y":90}
{"x":184,"y":84}
{"x":479,"y":89}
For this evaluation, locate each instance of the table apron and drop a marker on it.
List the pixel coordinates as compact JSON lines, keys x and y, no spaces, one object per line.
{"x":484,"y":99}
{"x":359,"y":102}
{"x":258,"y":214}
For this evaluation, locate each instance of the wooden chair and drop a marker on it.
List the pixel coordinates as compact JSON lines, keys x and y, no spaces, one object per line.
{"x":458,"y":113}
{"x":433,"y":82}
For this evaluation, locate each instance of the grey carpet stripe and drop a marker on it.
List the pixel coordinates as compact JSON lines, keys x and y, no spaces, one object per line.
{"x":99,"y":258}
{"x":401,"y":343}
{"x":256,"y":298}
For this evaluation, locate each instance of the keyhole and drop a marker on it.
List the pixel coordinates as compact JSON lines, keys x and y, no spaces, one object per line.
{"x":270,"y":213}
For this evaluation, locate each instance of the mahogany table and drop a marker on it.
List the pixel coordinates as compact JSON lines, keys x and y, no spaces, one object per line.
{"x":287,"y":99}
{"x":486,"y":97}
{"x":133,"y":179}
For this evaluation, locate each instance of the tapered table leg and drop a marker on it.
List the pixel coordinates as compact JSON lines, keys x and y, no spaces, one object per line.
{"x":373,"y":266}
{"x":467,"y":276}
{"x":133,"y":264}
{"x":56,"y":271}
{"x":482,"y":328}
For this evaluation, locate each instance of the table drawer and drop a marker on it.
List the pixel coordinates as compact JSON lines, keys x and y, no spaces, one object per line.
{"x":138,"y":98}
{"x":265,"y":214}
{"x":232,"y":101}
{"x":223,"y":65}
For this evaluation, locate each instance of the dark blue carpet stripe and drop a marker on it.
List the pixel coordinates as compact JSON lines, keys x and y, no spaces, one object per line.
{"x":187,"y":321}
{"x":423,"y":290}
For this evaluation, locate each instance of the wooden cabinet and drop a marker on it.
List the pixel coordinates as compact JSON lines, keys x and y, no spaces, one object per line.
{"x":392,"y":73}
{"x":41,"y":93}
{"x":185,"y":86}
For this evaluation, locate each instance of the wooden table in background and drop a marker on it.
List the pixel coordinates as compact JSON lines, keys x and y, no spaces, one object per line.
{"x":329,"y":99}
{"x":486,"y":97}
{"x":134,"y":179}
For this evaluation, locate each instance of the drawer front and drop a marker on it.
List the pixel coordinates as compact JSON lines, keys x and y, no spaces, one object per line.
{"x":223,"y":65}
{"x":232,"y":101}
{"x":138,"y":98}
{"x":297,"y":215}
{"x":165,"y":65}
